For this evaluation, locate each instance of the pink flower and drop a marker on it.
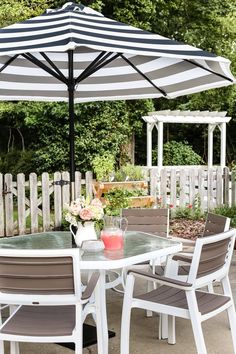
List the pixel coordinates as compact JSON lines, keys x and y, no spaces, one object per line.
{"x":96,"y":202}
{"x":190,"y":206}
{"x":171,"y":206}
{"x":86,"y":214}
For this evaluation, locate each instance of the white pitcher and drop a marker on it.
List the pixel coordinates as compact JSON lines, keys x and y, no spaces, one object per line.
{"x":85,"y":232}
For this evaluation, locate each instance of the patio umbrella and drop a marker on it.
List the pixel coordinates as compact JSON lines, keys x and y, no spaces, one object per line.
{"x":76,"y":54}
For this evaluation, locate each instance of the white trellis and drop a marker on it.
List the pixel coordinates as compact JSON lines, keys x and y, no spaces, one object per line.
{"x":213,"y":119}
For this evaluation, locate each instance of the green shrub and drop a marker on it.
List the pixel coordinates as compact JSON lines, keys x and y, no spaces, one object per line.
{"x":16,"y":161}
{"x":129,"y":172}
{"x":178,"y":153}
{"x":116,"y":199}
{"x":187,"y":212}
{"x":103,"y":166}
{"x":227,"y":211}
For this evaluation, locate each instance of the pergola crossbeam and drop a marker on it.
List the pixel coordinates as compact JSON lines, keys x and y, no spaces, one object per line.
{"x":213,"y":119}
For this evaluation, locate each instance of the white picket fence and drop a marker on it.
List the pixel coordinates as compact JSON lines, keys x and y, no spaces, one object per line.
{"x":37,"y":204}
{"x":212,"y":187}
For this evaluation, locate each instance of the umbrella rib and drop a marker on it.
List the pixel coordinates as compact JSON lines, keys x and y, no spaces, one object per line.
{"x":92,"y":66}
{"x":49,"y":61}
{"x":8,"y":62}
{"x":37,"y":62}
{"x":101,"y":65}
{"x":209,"y":70}
{"x":143,"y":75}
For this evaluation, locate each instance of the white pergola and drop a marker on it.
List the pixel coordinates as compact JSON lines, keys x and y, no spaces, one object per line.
{"x":213,"y":119}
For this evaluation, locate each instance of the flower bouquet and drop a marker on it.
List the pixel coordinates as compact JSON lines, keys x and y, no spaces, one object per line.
{"x":82,"y":213}
{"x":82,"y":210}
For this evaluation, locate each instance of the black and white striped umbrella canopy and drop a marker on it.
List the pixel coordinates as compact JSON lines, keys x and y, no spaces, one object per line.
{"x":108,"y":60}
{"x":76,"y":54}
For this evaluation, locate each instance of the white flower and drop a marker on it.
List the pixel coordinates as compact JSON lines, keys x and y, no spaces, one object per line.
{"x":83,"y":209}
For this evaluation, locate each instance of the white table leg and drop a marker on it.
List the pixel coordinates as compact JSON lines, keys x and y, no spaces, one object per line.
{"x":103,"y":310}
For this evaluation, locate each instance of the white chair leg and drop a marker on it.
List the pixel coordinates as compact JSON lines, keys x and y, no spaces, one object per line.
{"x":171,"y":330}
{"x":227,"y":291}
{"x":164,"y":326}
{"x":232,"y":322}
{"x":196,"y":322}
{"x":150,"y":287}
{"x":126,"y":315}
{"x":79,"y":329}
{"x":78,"y":347}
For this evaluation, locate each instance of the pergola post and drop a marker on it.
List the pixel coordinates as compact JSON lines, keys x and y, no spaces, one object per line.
{"x":149,"y":144}
{"x":160,"y":145}
{"x":211,"y":128}
{"x":222,"y":128}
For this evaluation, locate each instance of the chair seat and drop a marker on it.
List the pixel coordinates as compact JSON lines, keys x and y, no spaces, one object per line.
{"x":169,"y":296}
{"x":41,"y":321}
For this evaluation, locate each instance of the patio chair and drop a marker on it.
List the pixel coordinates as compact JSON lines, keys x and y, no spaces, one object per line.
{"x":179,"y":265}
{"x":43,"y":289}
{"x":214,"y":224}
{"x":211,"y":259}
{"x":153,"y":221}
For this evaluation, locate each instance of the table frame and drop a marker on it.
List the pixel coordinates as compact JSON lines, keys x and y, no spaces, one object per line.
{"x":121,"y":262}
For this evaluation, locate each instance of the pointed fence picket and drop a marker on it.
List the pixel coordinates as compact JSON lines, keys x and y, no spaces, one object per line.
{"x":37,"y":204}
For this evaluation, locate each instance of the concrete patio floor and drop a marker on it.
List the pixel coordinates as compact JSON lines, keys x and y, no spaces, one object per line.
{"x":144,"y":332}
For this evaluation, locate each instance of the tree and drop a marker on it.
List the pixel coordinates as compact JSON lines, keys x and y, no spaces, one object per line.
{"x":108,"y":126}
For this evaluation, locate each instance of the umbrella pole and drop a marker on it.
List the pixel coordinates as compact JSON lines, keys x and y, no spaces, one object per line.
{"x":71,"y":92}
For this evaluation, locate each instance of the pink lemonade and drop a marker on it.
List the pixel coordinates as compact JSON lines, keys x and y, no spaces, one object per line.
{"x":112,"y":240}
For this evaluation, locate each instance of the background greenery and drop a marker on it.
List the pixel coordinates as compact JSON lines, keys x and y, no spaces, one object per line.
{"x":34,"y":136}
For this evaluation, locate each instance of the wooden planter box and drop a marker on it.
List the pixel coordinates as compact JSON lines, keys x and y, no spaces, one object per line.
{"x":103,"y":187}
{"x":146,"y":201}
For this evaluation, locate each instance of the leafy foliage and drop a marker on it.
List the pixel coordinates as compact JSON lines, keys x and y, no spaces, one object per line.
{"x":17,"y":161}
{"x":178,"y":153}
{"x":108,"y":126}
{"x":103,"y":166}
{"x":18,"y":10}
{"x":116,"y":199}
{"x":129,"y":172}
{"x":227,"y":211}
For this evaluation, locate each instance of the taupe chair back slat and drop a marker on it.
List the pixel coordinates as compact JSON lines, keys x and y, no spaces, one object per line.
{"x":213,"y":257}
{"x":215,"y":252}
{"x":215,"y":224}
{"x":29,"y":275}
{"x":155,"y":221}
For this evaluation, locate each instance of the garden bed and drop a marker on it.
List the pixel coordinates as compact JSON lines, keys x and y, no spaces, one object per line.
{"x":187,"y":228}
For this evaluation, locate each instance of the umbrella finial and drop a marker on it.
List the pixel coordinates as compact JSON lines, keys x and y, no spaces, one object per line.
{"x":72,"y":7}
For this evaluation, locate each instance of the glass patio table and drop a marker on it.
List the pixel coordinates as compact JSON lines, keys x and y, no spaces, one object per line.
{"x":138,"y":247}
